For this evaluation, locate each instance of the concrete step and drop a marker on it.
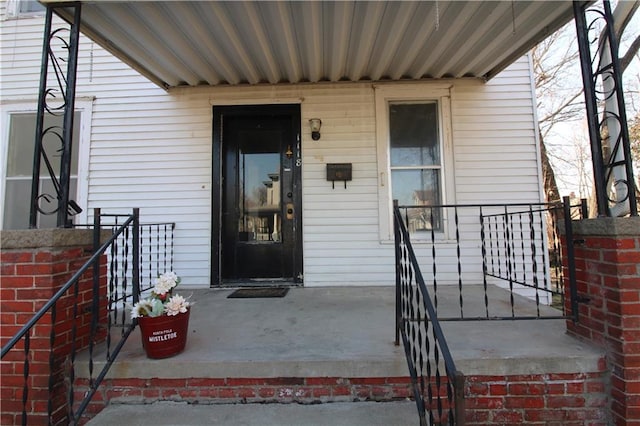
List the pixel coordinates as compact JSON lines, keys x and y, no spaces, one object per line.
{"x":397,"y":413}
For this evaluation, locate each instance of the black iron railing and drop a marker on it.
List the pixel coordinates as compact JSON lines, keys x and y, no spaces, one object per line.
{"x":123,"y":286}
{"x":438,"y":387}
{"x":117,"y":267}
{"x":495,"y":261}
{"x":156,"y":252}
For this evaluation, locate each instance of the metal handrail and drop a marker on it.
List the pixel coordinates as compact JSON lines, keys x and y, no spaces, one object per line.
{"x":409,"y":325}
{"x":131,"y":223}
{"x":74,"y":278}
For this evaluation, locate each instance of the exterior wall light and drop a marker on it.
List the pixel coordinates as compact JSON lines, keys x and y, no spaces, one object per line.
{"x":315,"y":124}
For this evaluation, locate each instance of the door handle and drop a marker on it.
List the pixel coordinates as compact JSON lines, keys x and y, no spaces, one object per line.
{"x":289,"y":211}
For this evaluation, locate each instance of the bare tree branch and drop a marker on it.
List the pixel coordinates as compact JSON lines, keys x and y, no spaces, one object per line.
{"x":559,"y":90}
{"x":622,"y":15}
{"x":631,"y":53}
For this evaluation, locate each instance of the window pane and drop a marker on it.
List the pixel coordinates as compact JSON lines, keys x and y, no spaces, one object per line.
{"x":418,"y":188}
{"x":18,"y":192}
{"x":16,"y":211}
{"x":22,"y":141}
{"x":30,"y":6}
{"x":22,"y":128}
{"x":413,"y":130}
{"x":259,"y":201}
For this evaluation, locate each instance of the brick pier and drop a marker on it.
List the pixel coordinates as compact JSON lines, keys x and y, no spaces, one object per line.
{"x":608,"y":278}
{"x":35,"y":264}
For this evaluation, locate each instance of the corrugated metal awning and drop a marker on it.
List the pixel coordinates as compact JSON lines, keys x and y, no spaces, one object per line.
{"x":178,"y":43}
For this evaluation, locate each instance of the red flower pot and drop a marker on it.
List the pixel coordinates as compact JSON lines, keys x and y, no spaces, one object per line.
{"x":164,"y":336}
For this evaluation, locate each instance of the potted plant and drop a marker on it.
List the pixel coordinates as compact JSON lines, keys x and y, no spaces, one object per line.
{"x":163,"y":318}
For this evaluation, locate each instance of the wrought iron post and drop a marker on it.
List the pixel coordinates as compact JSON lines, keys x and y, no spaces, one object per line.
{"x":571,"y":261}
{"x":601,"y":74}
{"x":397,"y":237}
{"x":135,"y":273}
{"x":65,"y":92}
{"x":37,"y":152}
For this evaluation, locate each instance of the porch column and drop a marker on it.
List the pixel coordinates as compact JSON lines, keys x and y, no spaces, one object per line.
{"x":56,"y":100}
{"x":34,"y":265}
{"x":605,"y":107}
{"x":607,"y":263}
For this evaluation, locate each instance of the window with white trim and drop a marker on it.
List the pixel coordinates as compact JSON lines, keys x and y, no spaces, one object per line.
{"x":414,"y":157}
{"x":24,"y":8}
{"x":415,"y":162}
{"x":17,"y":149}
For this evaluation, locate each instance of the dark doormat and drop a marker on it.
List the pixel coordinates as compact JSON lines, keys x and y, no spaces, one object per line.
{"x":250,"y":293}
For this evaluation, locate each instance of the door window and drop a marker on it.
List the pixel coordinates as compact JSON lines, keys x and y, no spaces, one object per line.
{"x":260,"y":189}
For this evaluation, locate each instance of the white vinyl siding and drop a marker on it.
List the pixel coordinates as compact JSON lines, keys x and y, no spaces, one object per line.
{"x":153,"y":149}
{"x":496,"y":152}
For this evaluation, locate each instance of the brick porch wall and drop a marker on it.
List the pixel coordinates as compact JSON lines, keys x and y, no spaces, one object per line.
{"x":35,"y":264}
{"x":576,"y":399}
{"x":608,"y":275}
{"x":536,"y":399}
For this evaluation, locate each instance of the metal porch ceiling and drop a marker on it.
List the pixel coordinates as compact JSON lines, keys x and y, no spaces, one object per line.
{"x":191,"y":43}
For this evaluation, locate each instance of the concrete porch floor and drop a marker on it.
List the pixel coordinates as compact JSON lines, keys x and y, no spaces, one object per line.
{"x":329,"y":332}
{"x":345,"y":332}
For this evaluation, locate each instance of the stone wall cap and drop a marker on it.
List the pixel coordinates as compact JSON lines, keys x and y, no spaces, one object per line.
{"x":608,"y":226}
{"x":53,"y":238}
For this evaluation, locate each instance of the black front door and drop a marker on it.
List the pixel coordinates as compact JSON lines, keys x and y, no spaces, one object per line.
{"x":257,"y":202}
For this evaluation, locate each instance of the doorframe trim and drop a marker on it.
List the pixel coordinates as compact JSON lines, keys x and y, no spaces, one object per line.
{"x":219,"y":112}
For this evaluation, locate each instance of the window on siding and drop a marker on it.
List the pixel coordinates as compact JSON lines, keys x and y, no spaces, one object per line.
{"x":416,"y":162}
{"x":415,"y":156}
{"x":19,"y":168}
{"x":26,"y":8}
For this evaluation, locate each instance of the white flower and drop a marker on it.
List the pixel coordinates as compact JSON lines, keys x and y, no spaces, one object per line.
{"x":142,"y":308}
{"x":165,"y":283}
{"x":161,"y":301}
{"x":147,"y":308}
{"x":176,"y":305}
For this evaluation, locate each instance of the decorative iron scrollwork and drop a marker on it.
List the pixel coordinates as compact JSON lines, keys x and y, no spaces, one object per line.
{"x":606,"y":116}
{"x":56,"y":99}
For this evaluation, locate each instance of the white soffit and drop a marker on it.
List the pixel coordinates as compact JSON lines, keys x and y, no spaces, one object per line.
{"x":192,"y":43}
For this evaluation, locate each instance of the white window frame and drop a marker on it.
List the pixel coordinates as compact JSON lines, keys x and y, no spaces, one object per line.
{"x":12,"y":10}
{"x":82,"y":105}
{"x":412,"y":93}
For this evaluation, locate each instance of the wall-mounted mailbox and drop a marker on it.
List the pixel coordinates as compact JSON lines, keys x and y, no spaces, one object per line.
{"x":339,"y":171}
